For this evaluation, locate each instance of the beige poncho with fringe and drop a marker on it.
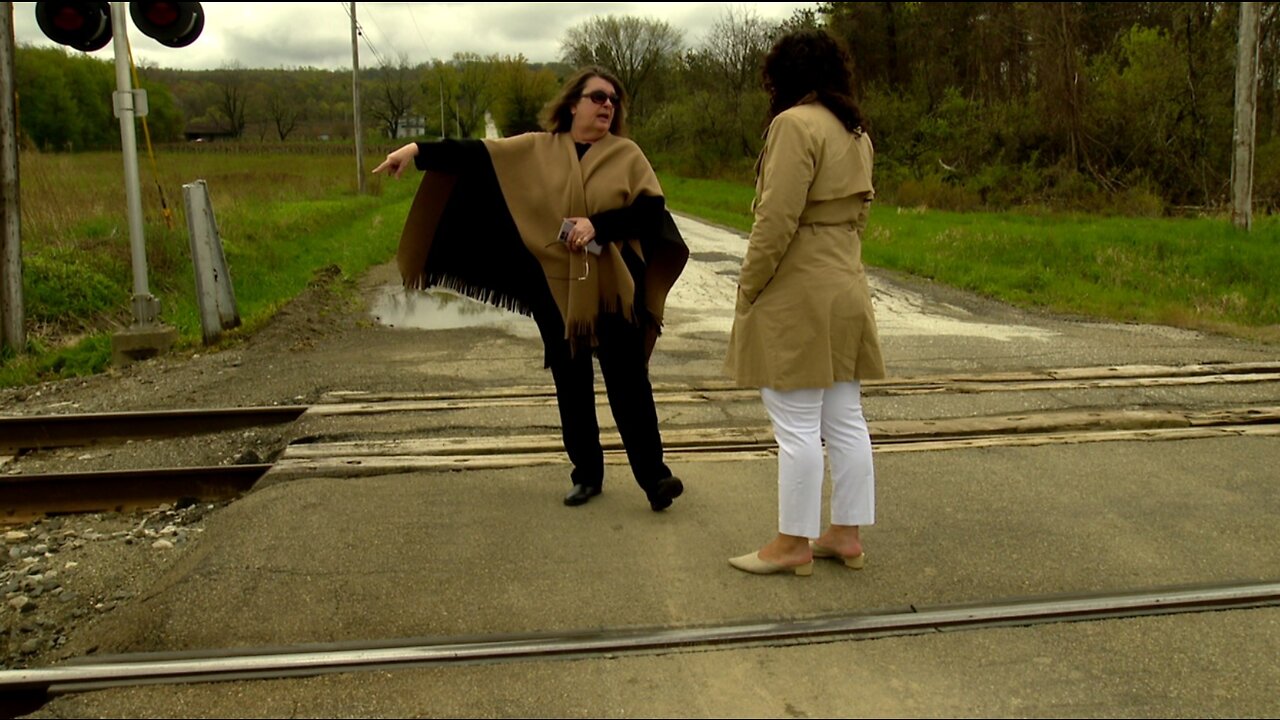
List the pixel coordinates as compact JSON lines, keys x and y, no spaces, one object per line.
{"x":542,"y":182}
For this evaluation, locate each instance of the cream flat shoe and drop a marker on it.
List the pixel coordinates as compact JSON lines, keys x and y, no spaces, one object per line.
{"x":856,"y":562}
{"x":752,"y":563}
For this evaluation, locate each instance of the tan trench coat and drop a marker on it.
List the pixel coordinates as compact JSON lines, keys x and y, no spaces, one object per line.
{"x":804,"y":317}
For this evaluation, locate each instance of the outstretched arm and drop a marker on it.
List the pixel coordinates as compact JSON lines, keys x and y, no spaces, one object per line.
{"x":398,"y":160}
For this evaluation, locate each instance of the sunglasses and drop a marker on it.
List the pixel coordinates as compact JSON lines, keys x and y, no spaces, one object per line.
{"x":599,"y":96}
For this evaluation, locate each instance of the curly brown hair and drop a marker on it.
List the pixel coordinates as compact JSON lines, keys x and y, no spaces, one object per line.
{"x":556,"y":116}
{"x":811,"y":62}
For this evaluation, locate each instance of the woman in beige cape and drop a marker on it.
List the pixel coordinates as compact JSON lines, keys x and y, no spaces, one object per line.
{"x":804,"y":331}
{"x":568,"y":226}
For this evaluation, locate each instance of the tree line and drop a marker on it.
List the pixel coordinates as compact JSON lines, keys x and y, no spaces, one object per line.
{"x":1074,"y":105}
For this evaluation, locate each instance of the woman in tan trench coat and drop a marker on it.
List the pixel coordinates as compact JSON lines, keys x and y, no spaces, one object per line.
{"x":804,"y":331}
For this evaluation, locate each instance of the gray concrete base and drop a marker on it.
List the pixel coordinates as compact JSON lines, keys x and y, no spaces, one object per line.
{"x":141,"y":342}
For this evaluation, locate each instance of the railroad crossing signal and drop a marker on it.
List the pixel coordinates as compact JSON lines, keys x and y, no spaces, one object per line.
{"x":89,"y":26}
{"x":86,"y":26}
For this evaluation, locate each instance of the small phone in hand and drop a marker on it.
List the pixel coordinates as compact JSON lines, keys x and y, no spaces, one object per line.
{"x":566,"y":227}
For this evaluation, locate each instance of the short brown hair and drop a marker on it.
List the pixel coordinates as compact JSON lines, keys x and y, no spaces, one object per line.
{"x":556,"y":116}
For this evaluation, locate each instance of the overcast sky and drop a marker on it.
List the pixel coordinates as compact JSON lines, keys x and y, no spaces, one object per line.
{"x":272,"y":35}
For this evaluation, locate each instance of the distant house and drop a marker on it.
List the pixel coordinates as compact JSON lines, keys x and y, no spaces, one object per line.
{"x":206,"y":132}
{"x":412,"y":126}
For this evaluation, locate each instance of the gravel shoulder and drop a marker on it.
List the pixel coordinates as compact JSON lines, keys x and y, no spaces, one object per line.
{"x":62,"y":573}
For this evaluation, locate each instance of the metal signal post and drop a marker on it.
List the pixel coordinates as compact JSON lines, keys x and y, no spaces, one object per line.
{"x":146,"y":337}
{"x":129,"y":105}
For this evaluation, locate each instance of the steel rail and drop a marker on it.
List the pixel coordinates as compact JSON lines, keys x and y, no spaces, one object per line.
{"x":1127,"y":374}
{"x":36,"y":432}
{"x":190,"y":667}
{"x":349,"y":460}
{"x":26,"y":497}
{"x":362,"y":403}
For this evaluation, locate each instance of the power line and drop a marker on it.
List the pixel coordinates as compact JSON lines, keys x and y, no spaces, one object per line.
{"x":385,"y":38}
{"x":360,"y":31}
{"x":414,"y":17}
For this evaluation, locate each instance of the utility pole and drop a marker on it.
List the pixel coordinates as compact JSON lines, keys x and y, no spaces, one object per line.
{"x":11,"y":308}
{"x":355,"y":99}
{"x":1246,"y":115}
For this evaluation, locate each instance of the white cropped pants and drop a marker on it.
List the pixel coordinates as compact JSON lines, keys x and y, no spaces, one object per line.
{"x":802,"y":419}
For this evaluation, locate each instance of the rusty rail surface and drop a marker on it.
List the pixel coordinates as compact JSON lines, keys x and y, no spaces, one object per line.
{"x":24,"y":498}
{"x":41,"y":432}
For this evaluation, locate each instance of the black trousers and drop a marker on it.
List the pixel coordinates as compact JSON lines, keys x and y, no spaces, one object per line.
{"x":626,"y":381}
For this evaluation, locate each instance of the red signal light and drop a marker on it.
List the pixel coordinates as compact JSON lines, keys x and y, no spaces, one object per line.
{"x":87,"y":25}
{"x":82,"y":25}
{"x":174,"y":24}
{"x":162,"y":14}
{"x":68,"y":20}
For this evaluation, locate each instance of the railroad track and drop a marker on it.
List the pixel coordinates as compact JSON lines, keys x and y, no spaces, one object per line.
{"x":26,"y":689}
{"x":20,"y":433}
{"x":1119,"y":376}
{"x":24,"y":497}
{"x":381,"y":457}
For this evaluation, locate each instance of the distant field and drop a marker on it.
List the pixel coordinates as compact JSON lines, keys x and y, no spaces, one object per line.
{"x":284,"y":217}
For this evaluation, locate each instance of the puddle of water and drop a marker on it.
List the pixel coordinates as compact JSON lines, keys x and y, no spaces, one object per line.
{"x":901,"y":312}
{"x":703,"y":300}
{"x":438,"y":309}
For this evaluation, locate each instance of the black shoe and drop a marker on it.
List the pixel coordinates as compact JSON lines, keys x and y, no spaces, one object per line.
{"x":580,"y":494}
{"x":664,"y":492}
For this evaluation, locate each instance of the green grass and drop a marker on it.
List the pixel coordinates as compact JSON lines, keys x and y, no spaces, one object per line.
{"x":1195,"y":273}
{"x":717,"y":201}
{"x":277,"y":250}
{"x":282,"y":219}
{"x":1192,"y":273}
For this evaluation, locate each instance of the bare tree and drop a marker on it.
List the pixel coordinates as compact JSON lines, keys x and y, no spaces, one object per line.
{"x":734,"y":52}
{"x":1055,"y":30}
{"x":633,"y":48}
{"x":394,"y":93}
{"x":284,"y":105}
{"x":439,"y":85}
{"x":736,"y":47}
{"x":233,"y":96}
